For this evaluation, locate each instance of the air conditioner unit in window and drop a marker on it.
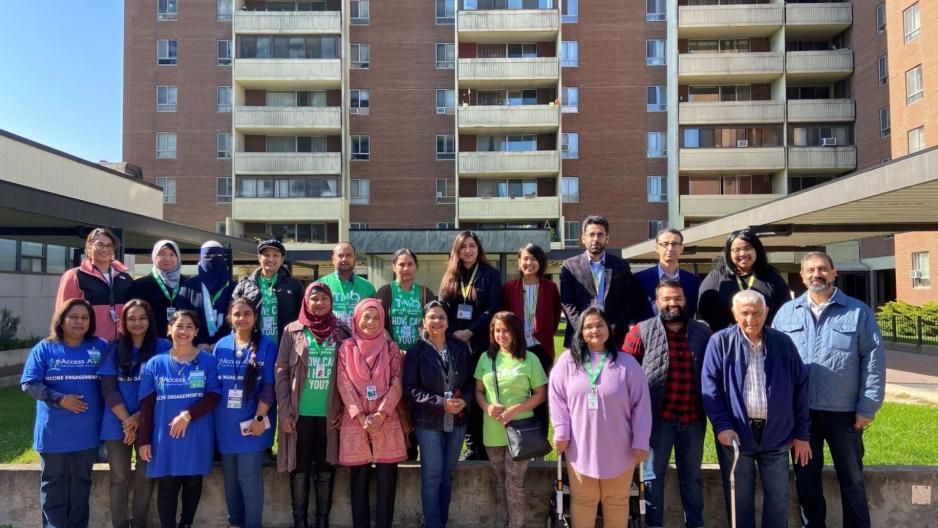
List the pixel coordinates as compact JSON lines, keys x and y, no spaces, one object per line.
{"x":353,"y":110}
{"x":440,"y":110}
{"x":915,"y":274}
{"x":828,"y":142}
{"x":742,"y":143}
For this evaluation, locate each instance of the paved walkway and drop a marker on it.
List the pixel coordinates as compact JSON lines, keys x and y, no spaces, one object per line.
{"x":911,"y":377}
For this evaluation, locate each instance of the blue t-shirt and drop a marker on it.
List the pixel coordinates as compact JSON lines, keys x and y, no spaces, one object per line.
{"x":235,"y":407}
{"x":66,"y":370}
{"x":129,"y":387}
{"x":177,"y":387}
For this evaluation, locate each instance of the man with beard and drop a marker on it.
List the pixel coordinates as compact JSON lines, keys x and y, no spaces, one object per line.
{"x":348,"y":289}
{"x":670,"y":347}
{"x":598,"y":278}
{"x":840,"y":343}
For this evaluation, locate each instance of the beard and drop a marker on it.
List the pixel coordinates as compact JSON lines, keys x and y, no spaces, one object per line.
{"x":673,"y":316}
{"x":819,"y":286}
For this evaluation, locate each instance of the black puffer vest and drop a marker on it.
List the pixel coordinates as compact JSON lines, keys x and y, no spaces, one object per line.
{"x":655,"y":359}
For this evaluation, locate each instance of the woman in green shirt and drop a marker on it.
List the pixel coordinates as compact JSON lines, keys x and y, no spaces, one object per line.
{"x":403,"y":300}
{"x":522,"y":386}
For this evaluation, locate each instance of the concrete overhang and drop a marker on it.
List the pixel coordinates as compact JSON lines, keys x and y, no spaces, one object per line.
{"x":895,"y":197}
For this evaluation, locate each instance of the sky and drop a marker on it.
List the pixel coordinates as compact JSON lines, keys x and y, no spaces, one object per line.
{"x":62,"y":78}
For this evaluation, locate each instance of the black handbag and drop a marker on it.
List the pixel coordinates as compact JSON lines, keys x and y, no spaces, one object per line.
{"x":526,"y":439}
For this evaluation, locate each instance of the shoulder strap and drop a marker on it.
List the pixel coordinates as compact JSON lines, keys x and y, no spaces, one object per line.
{"x":495,"y":379}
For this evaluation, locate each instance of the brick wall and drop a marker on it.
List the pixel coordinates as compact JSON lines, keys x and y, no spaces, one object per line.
{"x":906,"y":244}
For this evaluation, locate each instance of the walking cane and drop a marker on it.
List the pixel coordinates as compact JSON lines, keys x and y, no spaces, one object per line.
{"x":641,"y":494}
{"x":733,"y":484}
{"x":559,"y":499}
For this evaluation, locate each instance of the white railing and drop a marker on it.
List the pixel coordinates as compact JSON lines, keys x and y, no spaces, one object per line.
{"x":297,"y":22}
{"x":729,"y":112}
{"x":828,"y":14}
{"x":736,"y":64}
{"x":509,"y":116}
{"x":736,"y":159}
{"x":329,"y":118}
{"x":541,"y":68}
{"x":820,"y":110}
{"x":822,"y":158}
{"x":725,"y":16}
{"x":537,"y":207}
{"x":284,"y":209}
{"x":829,"y":61}
{"x":298,"y":70}
{"x":717,"y":205}
{"x":534,"y":20}
{"x":287,"y":163}
{"x":537,"y":162}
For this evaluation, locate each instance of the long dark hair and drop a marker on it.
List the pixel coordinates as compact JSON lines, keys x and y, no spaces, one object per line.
{"x":124,"y":346}
{"x":514,"y":326}
{"x":762,"y":259}
{"x":56,"y":331}
{"x":539,"y":255}
{"x":449,"y":286}
{"x":580,"y":350}
{"x":253,"y":370}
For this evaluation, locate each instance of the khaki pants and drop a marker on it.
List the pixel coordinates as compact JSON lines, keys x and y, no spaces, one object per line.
{"x":587,"y":492}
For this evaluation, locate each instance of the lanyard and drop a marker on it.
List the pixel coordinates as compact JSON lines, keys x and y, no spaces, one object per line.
{"x":597,"y":279}
{"x":159,"y":281}
{"x":245,"y":355}
{"x":739,"y":283}
{"x":594,"y":376}
{"x":466,"y":287}
{"x":211,"y":316}
{"x":272,"y":282}
{"x":315,"y":347}
{"x":530,"y":304}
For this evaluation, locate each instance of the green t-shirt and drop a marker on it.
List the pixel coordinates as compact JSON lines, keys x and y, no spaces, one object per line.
{"x":516,"y":381}
{"x":314,"y":400}
{"x":268,"y":320}
{"x":406,"y":315}
{"x":347,"y":295}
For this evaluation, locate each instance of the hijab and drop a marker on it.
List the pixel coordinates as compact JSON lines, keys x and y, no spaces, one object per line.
{"x":170,"y":278}
{"x":370,"y":363}
{"x":322,"y":326}
{"x":213,"y":267}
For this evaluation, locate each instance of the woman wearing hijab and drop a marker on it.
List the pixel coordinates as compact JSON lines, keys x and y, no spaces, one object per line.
{"x":308,"y":405}
{"x":208,"y":294}
{"x":160,"y":289}
{"x":370,"y":432}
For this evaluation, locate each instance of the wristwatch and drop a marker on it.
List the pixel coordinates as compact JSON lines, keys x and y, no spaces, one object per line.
{"x":258,"y":418}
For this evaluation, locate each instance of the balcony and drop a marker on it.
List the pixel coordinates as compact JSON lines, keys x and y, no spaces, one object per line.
{"x":288,"y":22}
{"x":831,"y":160}
{"x":520,"y":208}
{"x":539,"y":72}
{"x":508,"y":119}
{"x":817,"y":21}
{"x":731,"y":112}
{"x":695,"y":68}
{"x":536,"y":163}
{"x":719,"y":205}
{"x":821,"y":110}
{"x":508,"y":25}
{"x":287,"y":120}
{"x":728,"y":21}
{"x":263,"y":163}
{"x":730,"y":160}
{"x":819,"y":66}
{"x":295,"y":74}
{"x":286,"y":209}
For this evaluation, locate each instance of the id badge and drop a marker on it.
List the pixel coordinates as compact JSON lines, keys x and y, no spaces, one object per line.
{"x":219,"y":319}
{"x":94,"y":355}
{"x":531,"y":340}
{"x":448,"y":394}
{"x":464,"y":311}
{"x":170,"y":310}
{"x":235,"y":397}
{"x":320,"y":370}
{"x":114,"y":317}
{"x":371,"y":392}
{"x":592,"y":401}
{"x":197,"y":379}
{"x":267,"y":325}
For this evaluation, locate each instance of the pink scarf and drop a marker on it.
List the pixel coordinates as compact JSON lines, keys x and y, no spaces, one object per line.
{"x":370,"y":363}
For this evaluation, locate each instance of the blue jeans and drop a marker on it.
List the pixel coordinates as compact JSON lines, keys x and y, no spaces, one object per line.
{"x":773,"y":471}
{"x":687,"y":442}
{"x":846,"y":445}
{"x":64,"y":488}
{"x":439,"y":453}
{"x":244,"y":488}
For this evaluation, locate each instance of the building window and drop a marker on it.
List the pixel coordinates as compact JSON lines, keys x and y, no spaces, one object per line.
{"x":167,"y":10}
{"x":359,"y":11}
{"x":654,"y":52}
{"x":657,"y":189}
{"x":223,"y":189}
{"x":446,"y":225}
{"x":361,"y":148}
{"x":881,"y":18}
{"x":657,"y":99}
{"x":913,"y":85}
{"x":166,"y":145}
{"x":360,"y":192}
{"x":916,"y":139}
{"x":445,"y":56}
{"x":921,"y":270}
{"x":224,"y":52}
{"x":445,"y":11}
{"x":655,"y":226}
{"x":223,"y":145}
{"x":166,"y":98}
{"x":359,"y":102}
{"x":166,"y":53}
{"x":911,"y":23}
{"x":569,"y":54}
{"x":570,"y":145}
{"x":571,"y":233}
{"x":569,"y":99}
{"x":361,"y":56}
{"x":655,"y":10}
{"x":570,"y":189}
{"x":221,"y":228}
{"x":224,"y":10}
{"x":358,"y":226}
{"x":445,"y":190}
{"x":169,"y":189}
{"x":657,"y":145}
{"x":883,"y":70}
{"x":445,"y":147}
{"x":445,"y":101}
{"x":884,"y":128}
{"x":570,"y":11}
{"x":223,"y":97}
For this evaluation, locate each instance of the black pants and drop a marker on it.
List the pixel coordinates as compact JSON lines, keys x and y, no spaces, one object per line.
{"x":541,"y":412}
{"x":359,"y":480}
{"x":311,"y":445}
{"x":168,"y":495}
{"x":474,"y":424}
{"x":311,"y":464}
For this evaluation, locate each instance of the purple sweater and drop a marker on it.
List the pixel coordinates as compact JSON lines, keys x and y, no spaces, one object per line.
{"x":601,"y":440}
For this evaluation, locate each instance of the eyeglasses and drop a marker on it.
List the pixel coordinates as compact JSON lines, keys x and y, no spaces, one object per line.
{"x":102,"y":245}
{"x":740,"y":251}
{"x":666,"y":245}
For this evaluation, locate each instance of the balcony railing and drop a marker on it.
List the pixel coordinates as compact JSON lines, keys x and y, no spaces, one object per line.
{"x":509,"y":208}
{"x":286,"y":209}
{"x":272,"y":73}
{"x":533,"y":118}
{"x":536,"y":163}
{"x":821,"y":110}
{"x":288,"y":118}
{"x":288,"y":22}
{"x":287,"y":163}
{"x":732,"y":159}
{"x":825,"y":65}
{"x":750,"y":20}
{"x":718,"y":205}
{"x":540,"y":71}
{"x":822,"y":159}
{"x":714,"y":67}
{"x":834,"y":15}
{"x":499,"y":25}
{"x":731,"y":112}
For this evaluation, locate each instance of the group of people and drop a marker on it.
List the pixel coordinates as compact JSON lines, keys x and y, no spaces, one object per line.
{"x":176,"y":369}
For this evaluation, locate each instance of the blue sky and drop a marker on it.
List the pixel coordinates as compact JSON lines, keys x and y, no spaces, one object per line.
{"x":62,"y":77}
